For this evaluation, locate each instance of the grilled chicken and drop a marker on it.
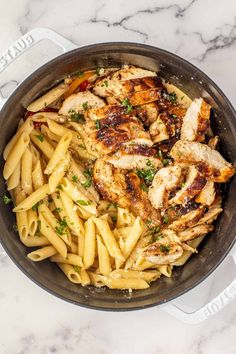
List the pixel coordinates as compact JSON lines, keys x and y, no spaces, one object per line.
{"x":213,"y":142}
{"x":140,"y":203}
{"x":187,"y":220}
{"x":80,"y":102}
{"x":216,"y":167}
{"x":207,"y":194}
{"x":164,"y":251}
{"x":196,"y":121}
{"x":110,"y":183}
{"x":135,"y":157}
{"x":191,"y":187}
{"x":194,"y":232}
{"x":165,"y":180}
{"x":158,"y":131}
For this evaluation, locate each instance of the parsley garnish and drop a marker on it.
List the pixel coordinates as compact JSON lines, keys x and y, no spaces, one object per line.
{"x":106,"y":83}
{"x":164,"y":248}
{"x":35,"y":206}
{"x":75,"y":178}
{"x":166,"y":220}
{"x":40,"y":137}
{"x":79,"y":73}
{"x":38,"y":227}
{"x":166,"y":162}
{"x":97,"y":124}
{"x":76,"y":268}
{"x":59,"y":187}
{"x":85,"y":106}
{"x":60,"y":230}
{"x":98,"y":71}
{"x":83,"y":202}
{"x":127,"y":104}
{"x":144,"y":187}
{"x":6,"y":199}
{"x":82,"y":146}
{"x":114,"y":218}
{"x":76,"y":117}
{"x":57,"y":210}
{"x":172,"y":97}
{"x":146,"y":175}
{"x":183,"y":185}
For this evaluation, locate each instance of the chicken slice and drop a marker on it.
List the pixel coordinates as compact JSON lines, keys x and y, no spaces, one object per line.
{"x":158,"y":131}
{"x":219,"y":170}
{"x":165,"y":180}
{"x":207,"y":194}
{"x":140,"y":204}
{"x":192,"y":186}
{"x":135,"y":157}
{"x":164,"y":251}
{"x":79,"y":102}
{"x":196,"y":121}
{"x":210,"y":215}
{"x":213,"y":142}
{"x":187,"y":220}
{"x":110,"y":183}
{"x":194,"y":232}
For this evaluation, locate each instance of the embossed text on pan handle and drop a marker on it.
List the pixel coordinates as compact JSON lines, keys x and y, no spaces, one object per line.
{"x":27,"y":41}
{"x":210,"y":309}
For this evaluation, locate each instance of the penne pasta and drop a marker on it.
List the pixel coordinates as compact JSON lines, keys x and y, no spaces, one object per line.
{"x":42,"y":253}
{"x":148,"y":276}
{"x":124,"y":217}
{"x":26,"y":172}
{"x":103,"y":258}
{"x":32,"y":221}
{"x":70,"y":272}
{"x":133,"y":237}
{"x":33,"y":198}
{"x":35,"y":241}
{"x":85,"y":280}
{"x":89,"y":243}
{"x":74,"y":221}
{"x":131,"y":283}
{"x":15,"y":155}
{"x":14,"y":180}
{"x":37,"y":176}
{"x":39,"y":140}
{"x":22,"y":217}
{"x":71,"y":258}
{"x":58,"y":173}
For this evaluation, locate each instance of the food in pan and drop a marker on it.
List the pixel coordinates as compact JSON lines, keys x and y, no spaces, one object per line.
{"x":115,"y":176}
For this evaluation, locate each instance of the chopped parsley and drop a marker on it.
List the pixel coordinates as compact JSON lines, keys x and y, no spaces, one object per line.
{"x":83,"y":202}
{"x":62,"y":228}
{"x":79,"y":73}
{"x":98,"y":71}
{"x":76,"y":117}
{"x":114,"y":218}
{"x":166,"y":220}
{"x":127,"y":104}
{"x":75,"y":178}
{"x":88,"y":182}
{"x":149,"y":163}
{"x":40,"y":137}
{"x":144,"y":187}
{"x":82,"y":146}
{"x":154,"y":230}
{"x":183,"y":185}
{"x":85,"y":106}
{"x":182,"y":97}
{"x":146,"y":175}
{"x":6,"y":199}
{"x":106,"y":83}
{"x":97,"y":124}
{"x":57,"y":210}
{"x":36,"y":205}
{"x":166,"y":162}
{"x":164,"y":248}
{"x":59,"y":187}
{"x":76,"y":268}
{"x":38,"y":227}
{"x":172,"y":97}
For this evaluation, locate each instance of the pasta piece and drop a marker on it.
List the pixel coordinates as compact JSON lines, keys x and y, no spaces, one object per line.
{"x":124,"y":217}
{"x":60,"y":227}
{"x":42,"y":253}
{"x":89,"y":243}
{"x":123,"y":284}
{"x":57,"y":129}
{"x":32,"y":221}
{"x":83,"y":213}
{"x":133,"y":237}
{"x":58,"y":173}
{"x":26,"y":128}
{"x":187,"y":254}
{"x":126,"y":274}
{"x":73,"y":247}
{"x":22,"y":217}
{"x":26,"y":172}
{"x":35,"y":155}
{"x":78,"y":197}
{"x":165,"y":270}
{"x":35,"y":241}
{"x":59,"y":153}
{"x":14,"y":180}
{"x":109,"y":239}
{"x":48,"y":98}
{"x":71,"y":258}
{"x":50,"y":234}
{"x":15,"y":155}
{"x":103,"y":258}
{"x":40,"y":141}
{"x":73,"y":219}
{"x":33,"y":198}
{"x":50,"y":135}
{"x":37,"y":176}
{"x":107,"y":218}
{"x":70,"y":272}
{"x":85,"y":280}
{"x":96,"y":279}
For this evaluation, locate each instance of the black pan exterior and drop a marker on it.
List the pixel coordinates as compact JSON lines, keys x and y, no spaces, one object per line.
{"x":188,"y":78}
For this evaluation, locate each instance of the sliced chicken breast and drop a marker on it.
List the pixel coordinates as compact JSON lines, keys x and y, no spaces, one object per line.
{"x":135,"y":157}
{"x":80,"y":102}
{"x":110,"y":183}
{"x":196,"y":121}
{"x":189,"y":152}
{"x":187,"y":220}
{"x":207,"y":194}
{"x":194,"y":232}
{"x":158,"y":131}
{"x":140,"y":204}
{"x":165,"y":180}
{"x":191,"y":187}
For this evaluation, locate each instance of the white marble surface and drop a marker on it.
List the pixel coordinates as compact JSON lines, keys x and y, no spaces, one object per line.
{"x":32,"y":321}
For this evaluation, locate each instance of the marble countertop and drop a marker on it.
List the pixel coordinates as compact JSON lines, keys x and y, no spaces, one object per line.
{"x":31,"y":320}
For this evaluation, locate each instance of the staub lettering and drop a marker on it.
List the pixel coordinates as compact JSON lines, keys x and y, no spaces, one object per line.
{"x":18,"y":47}
{"x":222,"y":300}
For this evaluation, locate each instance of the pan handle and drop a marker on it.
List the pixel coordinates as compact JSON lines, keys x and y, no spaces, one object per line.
{"x":27,"y":41}
{"x":208,"y":310}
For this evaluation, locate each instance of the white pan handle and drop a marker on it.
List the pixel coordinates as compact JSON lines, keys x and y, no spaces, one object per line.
{"x":27,"y":41}
{"x":208,"y":310}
